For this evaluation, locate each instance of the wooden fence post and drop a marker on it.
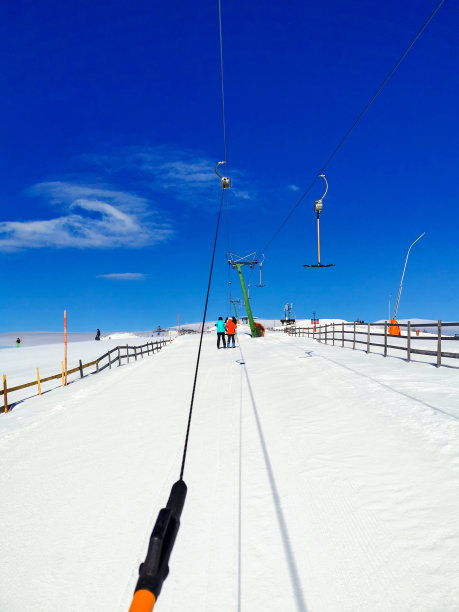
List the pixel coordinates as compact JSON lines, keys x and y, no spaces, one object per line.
{"x":135,"y":353}
{"x":342,"y":334}
{"x":81,"y":369}
{"x":5,"y":397}
{"x":408,"y":341}
{"x":353,"y":339}
{"x":333,"y":325}
{"x":141,"y":351}
{"x":119,"y":357}
{"x":368,"y":338}
{"x":439,"y":344}
{"x":127,"y":352}
{"x":326,"y":327}
{"x":109,"y":360}
{"x":385,"y":338}
{"x":38,"y":381}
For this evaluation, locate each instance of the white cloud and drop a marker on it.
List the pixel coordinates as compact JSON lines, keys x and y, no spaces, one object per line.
{"x":125,"y":276}
{"x":94,"y":217}
{"x":187,"y":176}
{"x":293,"y":187}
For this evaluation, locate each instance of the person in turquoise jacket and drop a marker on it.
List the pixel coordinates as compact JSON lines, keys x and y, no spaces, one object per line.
{"x":221,"y":331}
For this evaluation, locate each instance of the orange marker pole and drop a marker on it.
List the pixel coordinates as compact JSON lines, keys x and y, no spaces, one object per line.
{"x":38,"y":381}
{"x":65,"y":344}
{"x":5,"y":398}
{"x":62,"y":366}
{"x":143,"y":601}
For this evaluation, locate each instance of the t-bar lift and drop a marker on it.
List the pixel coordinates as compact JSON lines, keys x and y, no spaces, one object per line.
{"x":318,"y":210}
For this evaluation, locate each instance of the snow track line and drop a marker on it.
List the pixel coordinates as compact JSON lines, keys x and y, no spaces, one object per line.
{"x":388,"y":387}
{"x":286,"y":540}
{"x":375,"y":380}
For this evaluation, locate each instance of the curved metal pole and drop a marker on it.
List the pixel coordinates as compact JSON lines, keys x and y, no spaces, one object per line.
{"x":326,"y":185}
{"x":216,"y":168}
{"x":403,"y":274}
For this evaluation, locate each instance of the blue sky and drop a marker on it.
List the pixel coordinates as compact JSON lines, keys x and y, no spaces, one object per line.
{"x":111,"y":129}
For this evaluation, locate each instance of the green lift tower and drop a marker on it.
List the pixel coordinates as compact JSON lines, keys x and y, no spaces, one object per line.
{"x":237,"y":263}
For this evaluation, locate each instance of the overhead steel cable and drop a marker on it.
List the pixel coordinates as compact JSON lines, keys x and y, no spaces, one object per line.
{"x":185,"y":448}
{"x":154,"y":570}
{"x":224,"y":147}
{"x":353,"y":126}
{"x":221,"y":71}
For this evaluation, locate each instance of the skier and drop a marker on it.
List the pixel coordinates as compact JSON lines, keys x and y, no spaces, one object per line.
{"x":18,"y":342}
{"x":231,"y":330}
{"x":221,"y":329}
{"x":97,"y":335}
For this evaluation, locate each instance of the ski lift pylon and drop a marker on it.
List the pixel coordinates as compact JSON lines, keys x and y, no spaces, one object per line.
{"x":318,"y":209}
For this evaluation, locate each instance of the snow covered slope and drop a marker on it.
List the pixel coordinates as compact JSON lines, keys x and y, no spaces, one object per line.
{"x":320,"y":479}
{"x":43,"y":352}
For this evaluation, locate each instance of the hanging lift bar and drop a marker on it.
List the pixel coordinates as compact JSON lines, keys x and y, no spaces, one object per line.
{"x":154,"y":570}
{"x":318,"y":209}
{"x":260,"y":263}
{"x":226,"y":182}
{"x":234,"y":302}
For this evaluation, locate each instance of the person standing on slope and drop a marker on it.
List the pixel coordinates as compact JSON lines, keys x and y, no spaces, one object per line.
{"x":231,"y":330}
{"x":221,"y":329}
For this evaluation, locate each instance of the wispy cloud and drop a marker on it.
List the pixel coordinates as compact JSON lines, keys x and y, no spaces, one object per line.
{"x":93,"y":217}
{"x":293,"y":188}
{"x":123,"y":276}
{"x":187,"y":176}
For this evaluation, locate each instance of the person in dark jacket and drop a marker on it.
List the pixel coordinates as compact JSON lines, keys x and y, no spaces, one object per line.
{"x":97,"y":335}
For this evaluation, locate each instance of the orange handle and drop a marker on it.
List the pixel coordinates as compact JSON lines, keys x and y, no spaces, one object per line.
{"x":143,"y":601}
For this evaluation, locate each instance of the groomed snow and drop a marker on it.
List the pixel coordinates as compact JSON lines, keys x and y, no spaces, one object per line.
{"x":320,"y":479}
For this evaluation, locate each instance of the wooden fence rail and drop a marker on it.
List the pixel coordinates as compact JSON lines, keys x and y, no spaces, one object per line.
{"x":149,"y":347}
{"x":336,"y":331}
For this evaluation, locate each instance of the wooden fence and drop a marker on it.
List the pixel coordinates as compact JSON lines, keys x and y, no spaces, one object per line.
{"x":335,"y":333}
{"x":120,"y":352}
